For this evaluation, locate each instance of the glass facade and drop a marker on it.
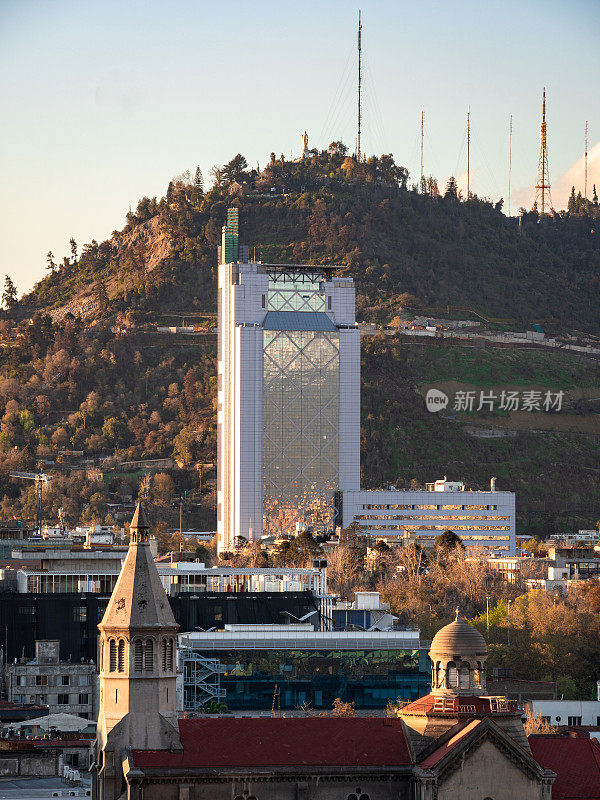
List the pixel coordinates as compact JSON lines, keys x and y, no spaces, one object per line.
{"x":296,"y":291}
{"x":369,"y":678}
{"x":301,"y":423}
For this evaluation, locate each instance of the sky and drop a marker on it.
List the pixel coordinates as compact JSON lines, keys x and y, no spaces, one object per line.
{"x":104,"y":101}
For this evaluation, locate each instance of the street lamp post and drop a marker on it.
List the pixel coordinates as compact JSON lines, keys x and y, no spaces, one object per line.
{"x":487,"y":614}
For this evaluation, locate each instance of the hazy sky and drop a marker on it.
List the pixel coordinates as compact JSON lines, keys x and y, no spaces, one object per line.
{"x":104,"y":101}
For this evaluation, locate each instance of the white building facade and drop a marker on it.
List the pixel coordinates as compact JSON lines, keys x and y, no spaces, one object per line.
{"x":480,"y":518}
{"x":288,"y":398}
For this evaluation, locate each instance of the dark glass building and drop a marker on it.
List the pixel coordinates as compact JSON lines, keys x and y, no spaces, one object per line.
{"x":365,"y":668}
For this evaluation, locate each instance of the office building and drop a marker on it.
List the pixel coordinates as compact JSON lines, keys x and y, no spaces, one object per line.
{"x":63,"y":686}
{"x":480,"y":518}
{"x":288,"y":395}
{"x":289,"y":666}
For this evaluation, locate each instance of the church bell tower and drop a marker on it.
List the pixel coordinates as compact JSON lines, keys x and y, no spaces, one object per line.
{"x":138,"y":649}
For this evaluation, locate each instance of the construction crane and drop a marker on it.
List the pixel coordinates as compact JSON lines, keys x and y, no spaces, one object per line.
{"x":40,"y":479}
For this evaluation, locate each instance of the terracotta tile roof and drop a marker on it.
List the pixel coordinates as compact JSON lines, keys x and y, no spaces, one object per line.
{"x":299,"y":741}
{"x":437,"y":755}
{"x":576,"y":762}
{"x":464,"y":706}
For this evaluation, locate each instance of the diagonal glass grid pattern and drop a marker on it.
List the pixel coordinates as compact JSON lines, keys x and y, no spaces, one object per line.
{"x":296,"y":291}
{"x":301,"y":424}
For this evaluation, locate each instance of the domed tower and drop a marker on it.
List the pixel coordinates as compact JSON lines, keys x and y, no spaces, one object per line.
{"x":458,"y":689}
{"x":138,"y":669}
{"x":458,"y":654}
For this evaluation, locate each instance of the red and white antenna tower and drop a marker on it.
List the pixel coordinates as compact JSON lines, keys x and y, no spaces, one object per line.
{"x":586,"y":154}
{"x":423,"y":181}
{"x":543,"y":199}
{"x":359,"y":84}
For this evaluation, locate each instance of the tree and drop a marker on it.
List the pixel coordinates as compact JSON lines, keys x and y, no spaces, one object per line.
{"x":73,"y":245}
{"x":451,"y":188}
{"x":50,"y":265}
{"x":432,"y":187}
{"x":337,"y":149}
{"x":449,"y":540}
{"x":101,"y":294}
{"x":9,"y":296}
{"x":162,"y":488}
{"x":342,"y":709}
{"x":234,"y":170}
{"x":199,"y":179}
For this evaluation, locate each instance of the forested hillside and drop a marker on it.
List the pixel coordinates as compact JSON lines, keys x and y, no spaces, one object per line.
{"x":82,"y":368}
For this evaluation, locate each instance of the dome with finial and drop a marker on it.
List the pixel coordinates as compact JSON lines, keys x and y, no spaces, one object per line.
{"x":458,"y":639}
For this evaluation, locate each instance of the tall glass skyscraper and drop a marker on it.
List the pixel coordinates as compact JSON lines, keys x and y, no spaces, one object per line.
{"x":288,"y":396}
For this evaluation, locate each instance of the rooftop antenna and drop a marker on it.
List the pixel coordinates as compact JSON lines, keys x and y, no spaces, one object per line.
{"x":469,"y":153}
{"x":509,"y":160}
{"x":422,"y":174}
{"x":543,"y":199}
{"x":585,"y":161}
{"x":359,"y":83}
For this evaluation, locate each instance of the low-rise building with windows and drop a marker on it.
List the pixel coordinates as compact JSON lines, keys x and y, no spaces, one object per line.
{"x":261,"y":667}
{"x":63,"y":686}
{"x":401,"y":516}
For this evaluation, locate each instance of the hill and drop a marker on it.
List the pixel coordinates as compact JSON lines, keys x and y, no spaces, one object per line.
{"x":90,"y":373}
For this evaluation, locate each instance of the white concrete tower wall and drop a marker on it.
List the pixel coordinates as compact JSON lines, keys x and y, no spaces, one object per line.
{"x":248,"y":424}
{"x":241,"y":309}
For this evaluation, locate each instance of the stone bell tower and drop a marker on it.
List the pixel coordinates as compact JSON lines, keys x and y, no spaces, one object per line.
{"x":138,"y":649}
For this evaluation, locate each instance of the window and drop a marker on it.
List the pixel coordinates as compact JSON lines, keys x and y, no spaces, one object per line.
{"x":21,"y":680}
{"x":138,"y":660}
{"x":27,"y":611}
{"x":451,"y":675}
{"x":112,"y":665}
{"x":574,"y":721}
{"x":464,"y":676}
{"x":149,"y":655}
{"x":547,"y":719}
{"x":167,"y":655}
{"x":329,"y":303}
{"x":121,"y":656}
{"x":63,"y":700}
{"x":79,"y":614}
{"x":84,"y":699}
{"x":41,"y":680}
{"x":64,"y":680}
{"x":263,"y":301}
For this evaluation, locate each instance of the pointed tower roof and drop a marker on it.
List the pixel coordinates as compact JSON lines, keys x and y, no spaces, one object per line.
{"x":138,"y":600}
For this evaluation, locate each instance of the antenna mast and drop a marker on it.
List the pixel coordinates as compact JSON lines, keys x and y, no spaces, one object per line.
{"x":422,"y":174}
{"x":509,"y":160}
{"x":469,"y":153}
{"x":586,"y":151}
{"x":542,"y":187}
{"x":359,"y":83}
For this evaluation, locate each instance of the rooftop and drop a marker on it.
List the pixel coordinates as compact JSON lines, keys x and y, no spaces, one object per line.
{"x":575,"y":760}
{"x":280,"y":742}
